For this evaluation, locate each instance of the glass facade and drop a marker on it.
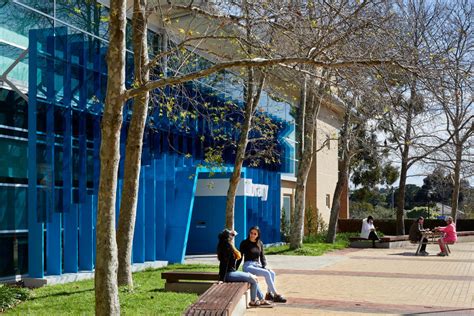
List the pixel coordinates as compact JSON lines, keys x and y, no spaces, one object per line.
{"x":69,"y":88}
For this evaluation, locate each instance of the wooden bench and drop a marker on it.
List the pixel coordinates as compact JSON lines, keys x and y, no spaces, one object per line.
{"x":221,"y":299}
{"x":189,"y":281}
{"x":384,"y":242}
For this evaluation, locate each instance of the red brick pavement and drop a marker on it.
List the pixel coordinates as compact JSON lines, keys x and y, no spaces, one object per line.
{"x":368,"y":307}
{"x":366,"y":274}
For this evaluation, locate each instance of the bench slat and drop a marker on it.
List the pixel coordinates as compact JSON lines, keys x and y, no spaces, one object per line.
{"x":220,"y":299}
{"x":175,"y":276}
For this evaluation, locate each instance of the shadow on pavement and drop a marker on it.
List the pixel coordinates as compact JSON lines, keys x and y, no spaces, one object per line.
{"x":406,"y":254}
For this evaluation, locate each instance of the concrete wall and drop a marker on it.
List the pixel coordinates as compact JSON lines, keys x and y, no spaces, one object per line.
{"x":326,"y":161}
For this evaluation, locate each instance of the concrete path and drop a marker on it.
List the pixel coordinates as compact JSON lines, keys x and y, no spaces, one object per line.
{"x":373,"y":281}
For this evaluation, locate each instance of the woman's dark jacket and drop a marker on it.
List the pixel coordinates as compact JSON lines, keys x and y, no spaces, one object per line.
{"x":227,"y":262}
{"x":415,"y":232}
{"x":252,"y":251}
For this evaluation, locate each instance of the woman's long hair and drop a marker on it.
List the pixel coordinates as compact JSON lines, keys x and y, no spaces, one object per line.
{"x":223,"y":243}
{"x":257,"y":240}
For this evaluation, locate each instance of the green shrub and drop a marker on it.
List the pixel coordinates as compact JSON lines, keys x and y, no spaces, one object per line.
{"x":284,"y":226}
{"x":310,"y":218}
{"x":10,"y":296}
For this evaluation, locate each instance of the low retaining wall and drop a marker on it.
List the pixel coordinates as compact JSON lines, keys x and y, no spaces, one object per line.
{"x":388,"y":226}
{"x":385,"y":242}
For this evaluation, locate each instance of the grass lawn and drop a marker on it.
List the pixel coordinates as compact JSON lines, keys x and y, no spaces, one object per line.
{"x":147,"y":298}
{"x":313,"y":246}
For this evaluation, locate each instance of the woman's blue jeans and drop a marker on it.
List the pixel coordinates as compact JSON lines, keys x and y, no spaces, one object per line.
{"x":237,"y":276}
{"x":256,"y":268}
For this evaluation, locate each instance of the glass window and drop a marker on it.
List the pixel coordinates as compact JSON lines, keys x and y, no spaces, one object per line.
{"x":13,"y":198}
{"x":13,"y":161}
{"x":14,"y":254}
{"x":19,"y":20}
{"x":87,"y":15}
{"x":45,"y":6}
{"x":287,"y":207}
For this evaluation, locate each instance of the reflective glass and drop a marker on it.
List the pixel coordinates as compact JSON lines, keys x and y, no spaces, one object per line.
{"x":45,"y":6}
{"x":87,"y":15}
{"x":13,"y":246}
{"x":13,"y":198}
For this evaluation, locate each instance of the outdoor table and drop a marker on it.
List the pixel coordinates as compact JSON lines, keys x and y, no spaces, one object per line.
{"x":427,"y":234}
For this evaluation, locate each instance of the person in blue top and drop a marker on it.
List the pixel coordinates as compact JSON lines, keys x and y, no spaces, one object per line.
{"x":256,"y":263}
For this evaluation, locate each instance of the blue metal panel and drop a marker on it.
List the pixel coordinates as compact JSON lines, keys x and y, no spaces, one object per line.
{"x":240,"y":212}
{"x":70,"y":211}
{"x":267,"y":208}
{"x":53,"y":247}
{"x":139,"y":233}
{"x":166,"y":196}
{"x":53,"y":227}
{"x":86,"y":235}
{"x":160,"y":196}
{"x":82,"y":136}
{"x":96,"y":172}
{"x":208,"y":217}
{"x":240,"y":218}
{"x":277,"y":207}
{"x":71,"y":239}
{"x":150,"y":218}
{"x":206,"y":222}
{"x":178,"y":228}
{"x":118,"y":200}
{"x":35,"y":227}
{"x":170,"y":184}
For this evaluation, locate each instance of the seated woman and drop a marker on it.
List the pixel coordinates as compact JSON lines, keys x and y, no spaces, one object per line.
{"x":415,"y":234}
{"x":255,"y":263}
{"x":368,"y":230}
{"x":228,"y":255}
{"x":450,"y":236}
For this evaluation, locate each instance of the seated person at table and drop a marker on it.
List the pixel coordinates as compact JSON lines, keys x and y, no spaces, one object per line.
{"x":450,"y":236}
{"x":368,"y":230}
{"x":415,"y":234}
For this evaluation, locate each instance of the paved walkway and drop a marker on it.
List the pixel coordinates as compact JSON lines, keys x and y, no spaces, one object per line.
{"x":374,"y":281}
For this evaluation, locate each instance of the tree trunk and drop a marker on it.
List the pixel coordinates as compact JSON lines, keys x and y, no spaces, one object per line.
{"x":235,"y":178}
{"x":128,"y":206}
{"x":253,"y":92}
{"x":456,"y":182}
{"x":307,"y":121}
{"x":404,"y":169}
{"x":342,"y":176}
{"x":401,"y":199}
{"x":297,"y":224}
{"x":106,"y":290}
{"x":336,"y":200}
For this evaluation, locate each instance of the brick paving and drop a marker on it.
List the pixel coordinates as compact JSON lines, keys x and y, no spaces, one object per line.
{"x":375,"y":281}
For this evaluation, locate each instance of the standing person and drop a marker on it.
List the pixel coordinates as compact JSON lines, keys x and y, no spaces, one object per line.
{"x":368,"y":230}
{"x":228,"y":255}
{"x":255,"y":263}
{"x":450,"y":236}
{"x":415,"y":234}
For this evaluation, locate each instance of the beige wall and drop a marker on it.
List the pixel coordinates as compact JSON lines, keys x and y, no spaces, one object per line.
{"x":326,"y":162}
{"x":288,"y":189}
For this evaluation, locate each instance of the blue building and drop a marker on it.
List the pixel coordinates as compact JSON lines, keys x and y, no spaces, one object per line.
{"x":53,"y":81}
